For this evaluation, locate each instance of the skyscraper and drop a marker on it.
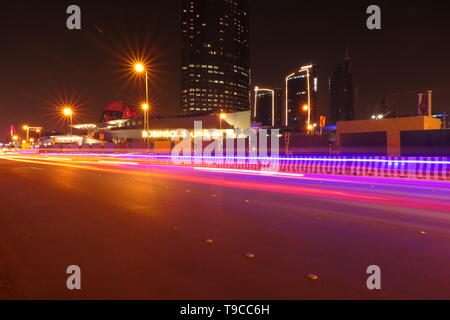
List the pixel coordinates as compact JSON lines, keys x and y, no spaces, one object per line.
{"x":301,"y":97}
{"x":264,"y":108}
{"x":341,"y":93}
{"x":267,"y":106}
{"x":215,"y":56}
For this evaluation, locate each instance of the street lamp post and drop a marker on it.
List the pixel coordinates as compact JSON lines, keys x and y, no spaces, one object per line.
{"x":140,"y":68}
{"x":69,"y":113}
{"x":27,"y":129}
{"x":221,"y":117}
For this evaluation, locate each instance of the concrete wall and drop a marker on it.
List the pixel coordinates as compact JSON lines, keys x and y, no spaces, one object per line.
{"x":392,"y":127}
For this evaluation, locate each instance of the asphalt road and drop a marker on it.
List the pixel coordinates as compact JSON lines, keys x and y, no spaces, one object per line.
{"x":142,"y":233}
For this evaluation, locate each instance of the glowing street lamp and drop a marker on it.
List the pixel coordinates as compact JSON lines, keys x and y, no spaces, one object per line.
{"x":15,"y":138}
{"x":221,"y":117}
{"x":140,"y":68}
{"x":305,"y":107}
{"x":27,"y":129}
{"x":68,"y":112}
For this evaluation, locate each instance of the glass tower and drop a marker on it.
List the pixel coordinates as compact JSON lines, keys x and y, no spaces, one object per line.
{"x":215,"y":68}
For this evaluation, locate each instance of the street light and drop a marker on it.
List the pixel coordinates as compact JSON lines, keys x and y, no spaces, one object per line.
{"x":68,"y":112}
{"x":221,"y":117}
{"x":140,"y":68}
{"x":305,"y":107}
{"x":27,"y":129}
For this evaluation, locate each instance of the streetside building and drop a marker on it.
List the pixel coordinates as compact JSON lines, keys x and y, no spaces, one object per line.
{"x":381,"y":137}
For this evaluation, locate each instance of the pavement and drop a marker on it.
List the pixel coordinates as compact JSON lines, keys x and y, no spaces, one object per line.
{"x":166,"y":232}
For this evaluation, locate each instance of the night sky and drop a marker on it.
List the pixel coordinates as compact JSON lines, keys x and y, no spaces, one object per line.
{"x":44,"y":64}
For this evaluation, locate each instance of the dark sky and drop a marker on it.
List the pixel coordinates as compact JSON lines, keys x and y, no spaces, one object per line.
{"x":43,"y":64}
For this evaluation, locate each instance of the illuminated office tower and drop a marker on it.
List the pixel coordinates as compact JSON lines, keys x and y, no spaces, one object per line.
{"x":301,"y":98}
{"x":215,"y":56}
{"x":266,"y":106}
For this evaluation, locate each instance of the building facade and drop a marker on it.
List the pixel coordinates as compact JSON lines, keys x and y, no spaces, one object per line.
{"x":267,"y":106}
{"x":264,"y":107}
{"x":215,"y":67}
{"x":301,"y":98}
{"x":341,"y":93}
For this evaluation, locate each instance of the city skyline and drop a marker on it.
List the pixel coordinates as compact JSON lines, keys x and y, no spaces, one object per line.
{"x":76,"y":74}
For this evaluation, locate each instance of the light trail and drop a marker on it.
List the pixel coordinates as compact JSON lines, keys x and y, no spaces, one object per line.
{"x":119,"y":162}
{"x":330,"y":159}
{"x":350,"y":197}
{"x":253,"y":172}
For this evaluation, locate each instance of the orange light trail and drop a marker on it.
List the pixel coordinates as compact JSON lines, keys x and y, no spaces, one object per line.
{"x":397,"y":201}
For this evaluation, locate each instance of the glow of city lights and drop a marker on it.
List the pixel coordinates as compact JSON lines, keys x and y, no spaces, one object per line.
{"x":223,"y":116}
{"x":145,"y":106}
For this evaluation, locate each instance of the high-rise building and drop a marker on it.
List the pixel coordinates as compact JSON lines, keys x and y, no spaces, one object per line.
{"x":264,"y":107}
{"x":267,"y":106}
{"x":301,"y":98}
{"x":341,"y":93}
{"x":215,"y":56}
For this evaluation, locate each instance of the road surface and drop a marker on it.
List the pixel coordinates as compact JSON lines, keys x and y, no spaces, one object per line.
{"x":162,"y":232}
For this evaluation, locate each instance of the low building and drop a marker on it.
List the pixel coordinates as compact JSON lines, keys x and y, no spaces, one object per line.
{"x":379,"y":136}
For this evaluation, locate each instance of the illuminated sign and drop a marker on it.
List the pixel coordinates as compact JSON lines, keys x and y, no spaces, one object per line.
{"x":181,"y":133}
{"x":67,"y":139}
